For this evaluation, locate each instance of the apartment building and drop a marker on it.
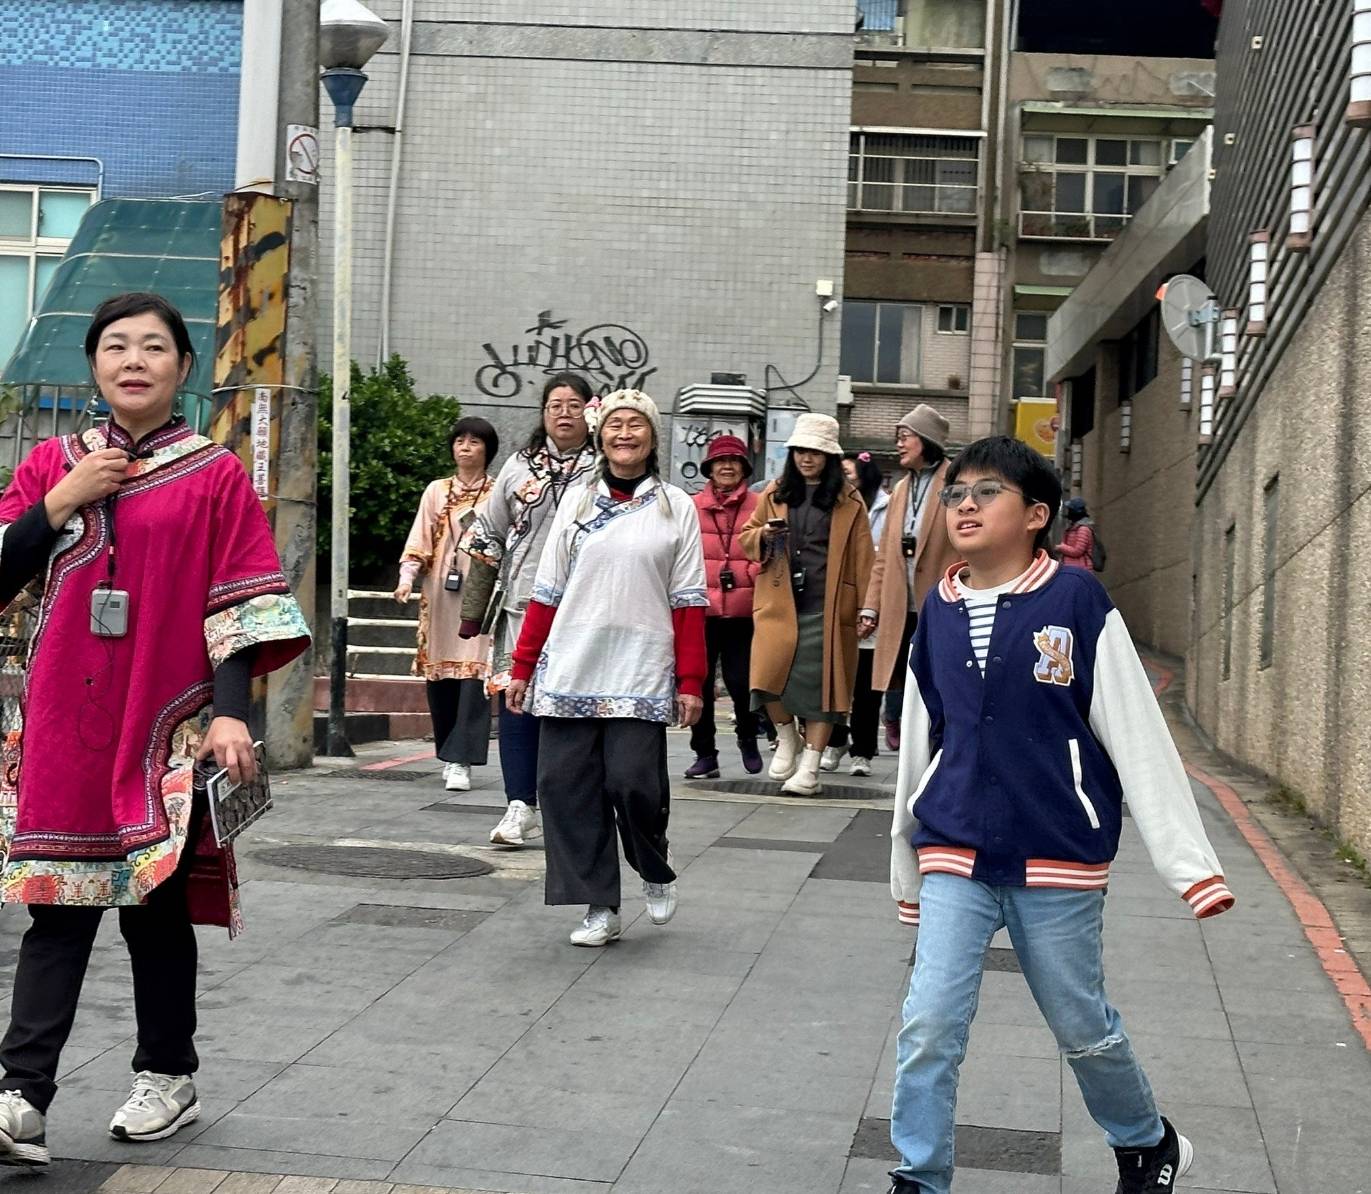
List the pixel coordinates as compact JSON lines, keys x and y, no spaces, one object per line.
{"x":1255,"y":461}
{"x":997,"y":148}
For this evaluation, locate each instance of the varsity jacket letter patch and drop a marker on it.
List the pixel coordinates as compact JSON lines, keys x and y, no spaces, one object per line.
{"x":1054,"y":656}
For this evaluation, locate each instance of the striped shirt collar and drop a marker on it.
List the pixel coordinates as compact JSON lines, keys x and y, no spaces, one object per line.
{"x":1039,"y":572}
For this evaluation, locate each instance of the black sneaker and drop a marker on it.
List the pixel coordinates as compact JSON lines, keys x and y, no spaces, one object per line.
{"x":1154,"y":1170}
{"x":902,"y":1185}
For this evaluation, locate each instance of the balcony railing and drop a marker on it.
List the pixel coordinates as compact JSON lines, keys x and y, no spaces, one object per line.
{"x":1070,"y":225}
{"x":942,"y":198}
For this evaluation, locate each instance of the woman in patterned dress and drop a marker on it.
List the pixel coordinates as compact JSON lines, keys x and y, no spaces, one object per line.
{"x":158,"y":595}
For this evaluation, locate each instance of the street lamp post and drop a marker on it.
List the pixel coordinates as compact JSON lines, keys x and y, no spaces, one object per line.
{"x":349,"y":34}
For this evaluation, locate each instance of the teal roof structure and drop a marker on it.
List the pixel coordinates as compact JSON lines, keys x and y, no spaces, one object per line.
{"x":167,"y":246}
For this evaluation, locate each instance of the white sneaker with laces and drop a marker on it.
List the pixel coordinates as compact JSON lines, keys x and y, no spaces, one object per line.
{"x":833,"y":755}
{"x":600,"y":927}
{"x":661,"y":901}
{"x":158,"y":1106}
{"x":860,"y":766}
{"x":23,"y":1132}
{"x":457,"y":777}
{"x":519,"y":823}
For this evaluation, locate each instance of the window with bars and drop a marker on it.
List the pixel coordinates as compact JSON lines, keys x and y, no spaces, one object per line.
{"x":36,"y":225}
{"x":881,"y":342}
{"x":1086,"y":188}
{"x":913,"y":172}
{"x":1030,"y":351}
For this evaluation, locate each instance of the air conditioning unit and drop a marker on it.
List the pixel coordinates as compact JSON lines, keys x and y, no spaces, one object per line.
{"x":844,"y":390}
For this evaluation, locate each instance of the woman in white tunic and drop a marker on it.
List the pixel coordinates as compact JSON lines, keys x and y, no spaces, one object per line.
{"x":612,"y":650}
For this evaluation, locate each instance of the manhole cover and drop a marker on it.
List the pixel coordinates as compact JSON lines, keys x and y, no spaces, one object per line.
{"x":374,"y":862}
{"x":759,"y":787}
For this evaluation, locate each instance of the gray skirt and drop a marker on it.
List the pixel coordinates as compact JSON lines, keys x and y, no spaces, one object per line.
{"x":804,"y":685}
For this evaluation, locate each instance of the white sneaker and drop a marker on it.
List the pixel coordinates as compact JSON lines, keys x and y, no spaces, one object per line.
{"x":805,"y":781}
{"x":457,"y":777}
{"x":788,"y":744}
{"x":860,"y":766}
{"x":661,"y":901}
{"x":832,"y":757}
{"x":23,"y":1132}
{"x":519,"y":823}
{"x":600,"y":927}
{"x":158,"y":1106}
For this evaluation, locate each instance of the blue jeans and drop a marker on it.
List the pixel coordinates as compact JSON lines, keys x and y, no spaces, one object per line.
{"x":519,"y":754}
{"x":1057,"y":935}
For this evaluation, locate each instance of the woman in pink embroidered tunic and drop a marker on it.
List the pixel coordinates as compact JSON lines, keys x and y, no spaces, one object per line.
{"x":455,"y":668}
{"x":156,"y":594}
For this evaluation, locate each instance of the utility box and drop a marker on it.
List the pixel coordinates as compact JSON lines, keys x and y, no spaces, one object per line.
{"x":705,"y":412}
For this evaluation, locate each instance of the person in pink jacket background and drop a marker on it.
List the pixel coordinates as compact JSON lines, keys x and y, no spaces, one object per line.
{"x":724,"y":505}
{"x":1077,"y":547}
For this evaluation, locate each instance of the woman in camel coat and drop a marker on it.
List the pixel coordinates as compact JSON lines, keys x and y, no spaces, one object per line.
{"x":811,"y":534}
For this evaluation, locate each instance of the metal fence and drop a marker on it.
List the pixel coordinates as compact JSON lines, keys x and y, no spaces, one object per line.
{"x":32,"y":413}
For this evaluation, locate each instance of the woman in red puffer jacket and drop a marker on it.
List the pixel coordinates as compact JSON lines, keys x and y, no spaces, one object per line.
{"x":725,"y":504}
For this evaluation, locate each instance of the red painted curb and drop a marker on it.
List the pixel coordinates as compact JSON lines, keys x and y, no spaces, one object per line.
{"x":400,"y":762}
{"x":1314,"y":917}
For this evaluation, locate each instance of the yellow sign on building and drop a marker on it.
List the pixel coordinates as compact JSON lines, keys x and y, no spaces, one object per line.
{"x":1035,"y":422}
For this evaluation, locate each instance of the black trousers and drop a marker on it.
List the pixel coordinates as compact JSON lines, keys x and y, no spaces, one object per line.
{"x":460,"y":710}
{"x":53,"y":957}
{"x":728,"y":643}
{"x":866,"y":713}
{"x":592,"y":773}
{"x":899,"y":677}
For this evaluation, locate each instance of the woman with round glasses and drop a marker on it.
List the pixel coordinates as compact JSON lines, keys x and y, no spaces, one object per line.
{"x":504,"y":544}
{"x":912,"y":555}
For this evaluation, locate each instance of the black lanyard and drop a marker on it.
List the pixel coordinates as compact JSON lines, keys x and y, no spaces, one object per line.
{"x":918,"y":494}
{"x":569,"y":465}
{"x":726,"y":540}
{"x":109,"y":555}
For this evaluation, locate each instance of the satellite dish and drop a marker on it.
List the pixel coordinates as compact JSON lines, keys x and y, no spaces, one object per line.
{"x":1190,"y":314}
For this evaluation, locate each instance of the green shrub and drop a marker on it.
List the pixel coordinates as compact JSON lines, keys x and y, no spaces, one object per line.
{"x":399,"y":445}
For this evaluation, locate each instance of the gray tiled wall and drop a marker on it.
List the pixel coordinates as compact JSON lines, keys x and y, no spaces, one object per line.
{"x":690,"y":203}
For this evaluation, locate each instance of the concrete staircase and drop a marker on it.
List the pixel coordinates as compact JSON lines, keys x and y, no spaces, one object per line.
{"x":384,"y":700}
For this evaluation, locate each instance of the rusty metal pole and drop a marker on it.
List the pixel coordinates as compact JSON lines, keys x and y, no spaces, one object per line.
{"x":290,"y":691}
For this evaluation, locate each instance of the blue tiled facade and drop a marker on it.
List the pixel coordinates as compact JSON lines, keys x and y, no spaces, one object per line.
{"x":149,"y":87}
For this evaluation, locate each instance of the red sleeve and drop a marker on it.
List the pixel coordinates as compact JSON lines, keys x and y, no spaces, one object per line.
{"x":537,"y":626}
{"x":691,"y":659}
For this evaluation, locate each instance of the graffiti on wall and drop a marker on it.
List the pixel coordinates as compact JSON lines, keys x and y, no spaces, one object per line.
{"x":611,"y":355}
{"x":691,"y":441}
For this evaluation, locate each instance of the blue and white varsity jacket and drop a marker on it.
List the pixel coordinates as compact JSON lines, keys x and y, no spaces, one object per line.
{"x":1018,"y":777}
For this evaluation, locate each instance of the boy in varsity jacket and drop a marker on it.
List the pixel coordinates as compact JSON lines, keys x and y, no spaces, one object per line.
{"x":1028,"y":720}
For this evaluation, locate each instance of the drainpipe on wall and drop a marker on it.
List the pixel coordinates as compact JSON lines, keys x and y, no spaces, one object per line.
{"x":258,"y":97}
{"x":392,"y":197}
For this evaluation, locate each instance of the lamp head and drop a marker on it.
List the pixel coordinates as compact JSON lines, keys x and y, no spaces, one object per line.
{"x":349,"y":34}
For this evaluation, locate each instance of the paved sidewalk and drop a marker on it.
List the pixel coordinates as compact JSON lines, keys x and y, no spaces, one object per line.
{"x":423,"y":1033}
